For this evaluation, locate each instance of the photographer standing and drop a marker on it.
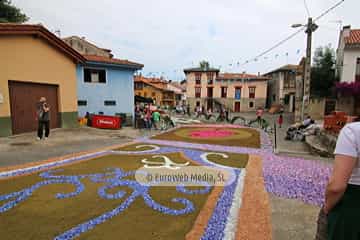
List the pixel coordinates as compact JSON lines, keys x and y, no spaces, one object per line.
{"x":43,"y":117}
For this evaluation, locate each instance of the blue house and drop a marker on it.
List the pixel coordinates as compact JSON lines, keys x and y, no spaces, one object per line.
{"x":106,"y":86}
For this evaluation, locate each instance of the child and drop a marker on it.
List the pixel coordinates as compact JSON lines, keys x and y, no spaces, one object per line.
{"x":280,"y":120}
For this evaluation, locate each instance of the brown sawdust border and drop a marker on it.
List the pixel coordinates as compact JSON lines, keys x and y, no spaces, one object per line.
{"x":254,"y":214}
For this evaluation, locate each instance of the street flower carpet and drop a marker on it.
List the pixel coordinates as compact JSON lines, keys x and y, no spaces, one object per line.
{"x":96,"y":195}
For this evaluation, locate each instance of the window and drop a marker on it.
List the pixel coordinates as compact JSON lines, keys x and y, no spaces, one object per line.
{"x":138,"y":85}
{"x":252,"y":92}
{"x":223,"y":92}
{"x":237,"y":93}
{"x":198,"y":104}
{"x":210,"y":78}
{"x":82,"y":103}
{"x":209,"y":92}
{"x":286,"y":99}
{"x":357,"y":76}
{"x":197,"y":92}
{"x":198,"y":78}
{"x":153,"y":94}
{"x":94,"y":75}
{"x":110,"y":103}
{"x":251,"y":104}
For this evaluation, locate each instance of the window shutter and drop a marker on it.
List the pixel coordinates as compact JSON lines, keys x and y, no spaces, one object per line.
{"x":87,"y":75}
{"x":102,"y":76}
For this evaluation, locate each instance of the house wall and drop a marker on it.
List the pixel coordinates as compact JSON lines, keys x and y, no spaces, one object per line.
{"x":349,"y":65}
{"x":84,"y":47}
{"x":119,"y":87}
{"x":346,"y":104}
{"x":31,"y":59}
{"x":316,"y":108}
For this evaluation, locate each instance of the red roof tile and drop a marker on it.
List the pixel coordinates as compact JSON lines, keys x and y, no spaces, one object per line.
{"x":39,"y":30}
{"x":354,"y":37}
{"x":152,"y":82}
{"x":101,"y":59}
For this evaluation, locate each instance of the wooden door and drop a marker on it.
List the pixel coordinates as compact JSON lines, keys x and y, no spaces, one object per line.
{"x":237,"y":107}
{"x":23,"y":102}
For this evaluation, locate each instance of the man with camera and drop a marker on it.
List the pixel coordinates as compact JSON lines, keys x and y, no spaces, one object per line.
{"x":43,"y":117}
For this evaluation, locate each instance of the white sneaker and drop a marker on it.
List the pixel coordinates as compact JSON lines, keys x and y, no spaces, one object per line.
{"x":38,"y":139}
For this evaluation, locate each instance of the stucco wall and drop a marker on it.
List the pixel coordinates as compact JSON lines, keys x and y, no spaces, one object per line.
{"x":261,"y":87}
{"x":30,"y":59}
{"x":119,"y":87}
{"x":349,"y":65}
{"x":316,"y":108}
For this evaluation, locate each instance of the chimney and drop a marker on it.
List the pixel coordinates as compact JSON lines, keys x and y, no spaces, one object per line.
{"x":346,"y":31}
{"x":259,"y":74}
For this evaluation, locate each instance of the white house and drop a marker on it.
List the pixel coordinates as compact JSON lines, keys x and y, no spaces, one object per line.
{"x":348,"y":70}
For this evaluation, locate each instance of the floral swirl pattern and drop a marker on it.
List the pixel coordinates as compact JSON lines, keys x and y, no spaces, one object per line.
{"x":113,"y":178}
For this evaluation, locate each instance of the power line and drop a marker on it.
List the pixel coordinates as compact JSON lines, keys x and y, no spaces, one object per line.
{"x":292,"y":35}
{"x":307,"y":8}
{"x":276,"y":45}
{"x":330,"y":9}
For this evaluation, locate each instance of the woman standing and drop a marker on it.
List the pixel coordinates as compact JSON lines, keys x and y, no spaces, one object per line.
{"x":342,"y":197}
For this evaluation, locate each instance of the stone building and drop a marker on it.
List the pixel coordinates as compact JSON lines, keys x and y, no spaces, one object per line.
{"x":85,"y":47}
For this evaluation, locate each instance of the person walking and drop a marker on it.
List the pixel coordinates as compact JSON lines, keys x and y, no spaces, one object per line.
{"x":342,"y":196}
{"x":43,"y":118}
{"x":280,"y":120}
{"x":147,"y":117}
{"x":259,"y":113}
{"x":156,"y":119}
{"x":227,"y":114}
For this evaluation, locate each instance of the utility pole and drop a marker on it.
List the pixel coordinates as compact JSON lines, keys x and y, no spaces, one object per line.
{"x":310,"y":28}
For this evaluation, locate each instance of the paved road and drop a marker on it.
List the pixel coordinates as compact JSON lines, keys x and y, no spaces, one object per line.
{"x":25,"y":148}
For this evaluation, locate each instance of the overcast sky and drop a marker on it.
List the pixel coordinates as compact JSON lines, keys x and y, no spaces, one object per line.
{"x":170,"y":35}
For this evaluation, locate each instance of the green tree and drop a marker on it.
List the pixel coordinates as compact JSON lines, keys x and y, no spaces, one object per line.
{"x":10,"y":13}
{"x":204,"y":64}
{"x":323,"y":72}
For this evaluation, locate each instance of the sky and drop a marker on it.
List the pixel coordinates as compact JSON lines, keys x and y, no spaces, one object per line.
{"x":170,"y":35}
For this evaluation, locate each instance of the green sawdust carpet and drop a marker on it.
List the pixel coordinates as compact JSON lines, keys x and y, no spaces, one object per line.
{"x":42,"y":216}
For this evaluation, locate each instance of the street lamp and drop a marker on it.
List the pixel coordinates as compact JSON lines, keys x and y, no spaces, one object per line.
{"x":310,"y":27}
